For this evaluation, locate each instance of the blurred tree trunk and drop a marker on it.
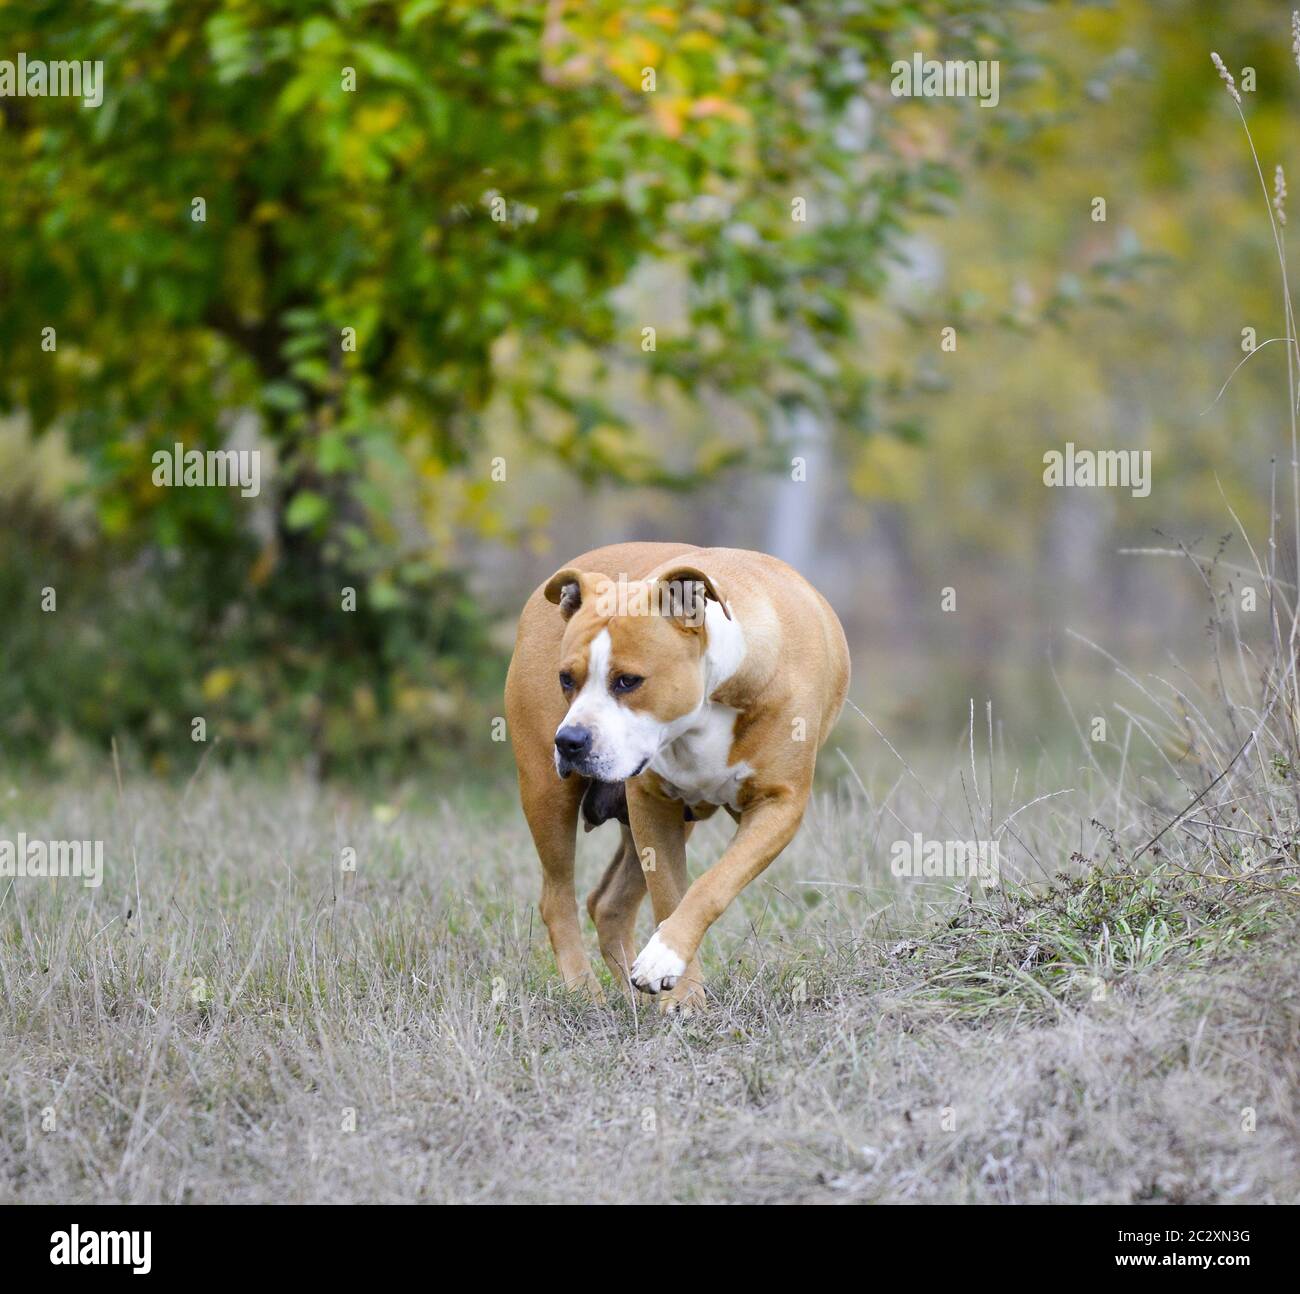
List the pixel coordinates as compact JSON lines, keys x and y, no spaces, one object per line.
{"x":792,"y":523}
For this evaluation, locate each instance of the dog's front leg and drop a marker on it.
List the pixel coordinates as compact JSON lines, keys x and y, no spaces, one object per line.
{"x":551,"y":808}
{"x":767,"y":825}
{"x":659,"y":833}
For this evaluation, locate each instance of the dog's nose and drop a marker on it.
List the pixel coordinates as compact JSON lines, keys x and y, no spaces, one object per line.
{"x":573,"y":742}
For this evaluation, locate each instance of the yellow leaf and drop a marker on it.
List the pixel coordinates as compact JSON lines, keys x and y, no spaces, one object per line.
{"x":218,"y":683}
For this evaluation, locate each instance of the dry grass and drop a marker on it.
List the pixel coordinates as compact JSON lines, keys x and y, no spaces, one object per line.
{"x":1096,"y":1039}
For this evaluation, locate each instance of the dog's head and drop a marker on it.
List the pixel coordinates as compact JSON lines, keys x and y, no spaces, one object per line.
{"x":632,"y":666}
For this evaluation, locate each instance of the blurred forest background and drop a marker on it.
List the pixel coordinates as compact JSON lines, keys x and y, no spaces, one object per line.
{"x":499,"y":209}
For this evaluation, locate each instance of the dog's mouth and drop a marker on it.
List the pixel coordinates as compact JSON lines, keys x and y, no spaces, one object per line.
{"x":566,"y":766}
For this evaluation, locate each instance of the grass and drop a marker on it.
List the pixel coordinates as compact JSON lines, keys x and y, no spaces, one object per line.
{"x":231,"y":1017}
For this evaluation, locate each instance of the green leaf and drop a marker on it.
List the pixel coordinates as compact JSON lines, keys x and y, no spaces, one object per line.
{"x":306,"y":509}
{"x":284,"y":397}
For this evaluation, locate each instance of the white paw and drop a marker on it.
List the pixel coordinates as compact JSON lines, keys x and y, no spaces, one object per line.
{"x":658,"y":967}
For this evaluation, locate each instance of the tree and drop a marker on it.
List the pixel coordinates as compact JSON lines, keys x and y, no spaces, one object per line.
{"x":327,"y":218}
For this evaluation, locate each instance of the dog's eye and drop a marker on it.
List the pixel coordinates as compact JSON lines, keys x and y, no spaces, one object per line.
{"x":566,"y":680}
{"x":628,"y":682}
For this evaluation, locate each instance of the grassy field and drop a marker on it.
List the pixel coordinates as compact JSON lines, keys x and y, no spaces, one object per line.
{"x":233,"y":1017}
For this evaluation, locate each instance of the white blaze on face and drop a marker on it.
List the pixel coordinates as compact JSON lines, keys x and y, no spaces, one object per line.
{"x":622,"y":740}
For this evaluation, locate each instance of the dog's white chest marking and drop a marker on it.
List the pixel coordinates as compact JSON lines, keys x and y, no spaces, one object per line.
{"x":695,"y":767}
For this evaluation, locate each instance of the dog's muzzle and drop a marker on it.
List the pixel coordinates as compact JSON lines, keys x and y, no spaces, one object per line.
{"x":573,"y":748}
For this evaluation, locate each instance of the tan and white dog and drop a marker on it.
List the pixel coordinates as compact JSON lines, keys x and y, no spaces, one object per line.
{"x":655,"y":683}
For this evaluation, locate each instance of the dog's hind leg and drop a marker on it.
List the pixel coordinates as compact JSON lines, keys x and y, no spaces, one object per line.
{"x":614,"y":904}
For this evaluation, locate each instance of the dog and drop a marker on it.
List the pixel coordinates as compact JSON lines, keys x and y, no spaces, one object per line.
{"x":653,"y":684}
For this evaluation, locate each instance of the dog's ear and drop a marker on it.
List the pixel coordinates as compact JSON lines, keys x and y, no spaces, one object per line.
{"x":565,"y":589}
{"x":689,"y":588}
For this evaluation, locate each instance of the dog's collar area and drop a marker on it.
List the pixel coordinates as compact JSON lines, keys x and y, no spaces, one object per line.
{"x":602,"y":801}
{"x":606,"y":801}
